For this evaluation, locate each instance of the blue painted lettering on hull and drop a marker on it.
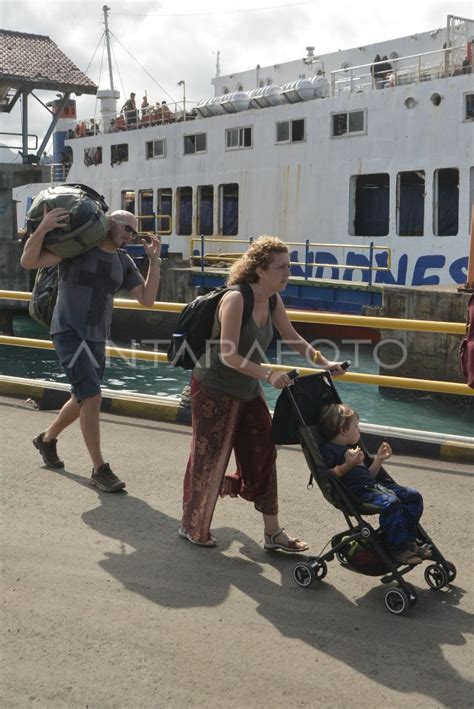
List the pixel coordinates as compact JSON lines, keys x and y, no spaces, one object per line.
{"x":426,"y":270}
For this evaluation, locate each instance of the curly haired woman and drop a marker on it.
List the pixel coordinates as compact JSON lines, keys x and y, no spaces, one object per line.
{"x":229,"y":411}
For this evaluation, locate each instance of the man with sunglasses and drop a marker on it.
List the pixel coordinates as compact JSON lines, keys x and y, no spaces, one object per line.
{"x":81,"y":325}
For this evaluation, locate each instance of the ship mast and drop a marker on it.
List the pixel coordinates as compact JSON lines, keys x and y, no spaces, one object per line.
{"x":106,"y":11}
{"x":108,"y":97}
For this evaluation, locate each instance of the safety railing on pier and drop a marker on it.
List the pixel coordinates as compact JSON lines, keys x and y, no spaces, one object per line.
{"x":295,"y":316}
{"x":204,"y":258}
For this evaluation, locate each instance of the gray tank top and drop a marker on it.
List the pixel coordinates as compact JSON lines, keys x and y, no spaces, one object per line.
{"x":253,"y":344}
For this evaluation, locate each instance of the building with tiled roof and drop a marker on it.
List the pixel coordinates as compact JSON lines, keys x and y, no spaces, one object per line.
{"x":36,"y":62}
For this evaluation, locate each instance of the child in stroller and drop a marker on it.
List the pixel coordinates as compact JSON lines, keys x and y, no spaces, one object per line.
{"x":359,"y":547}
{"x":401,"y":506}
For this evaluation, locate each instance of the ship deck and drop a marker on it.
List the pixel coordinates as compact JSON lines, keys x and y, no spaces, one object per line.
{"x":105,"y":606}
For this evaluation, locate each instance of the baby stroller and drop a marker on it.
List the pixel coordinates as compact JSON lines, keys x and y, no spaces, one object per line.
{"x":359,"y":547}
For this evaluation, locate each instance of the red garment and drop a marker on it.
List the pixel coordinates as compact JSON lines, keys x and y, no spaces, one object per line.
{"x":220,"y":424}
{"x":466,"y":350}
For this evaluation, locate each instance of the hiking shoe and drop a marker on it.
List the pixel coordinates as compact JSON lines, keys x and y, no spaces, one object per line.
{"x":48,"y":451}
{"x":106,"y":480}
{"x":407,"y":557}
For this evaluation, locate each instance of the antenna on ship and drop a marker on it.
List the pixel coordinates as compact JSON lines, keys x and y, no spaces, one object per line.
{"x":106,"y":10}
{"x":108,"y":97}
{"x":218,"y":64}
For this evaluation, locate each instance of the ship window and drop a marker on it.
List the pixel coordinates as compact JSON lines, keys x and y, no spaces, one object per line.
{"x":446,"y":202}
{"x":155,"y":148}
{"x":410,"y":203}
{"x":469,"y":107}
{"x":195,"y":143}
{"x":371,"y":216}
{"x":118,"y":153}
{"x":229,"y":209}
{"x":238,"y":138}
{"x":290,"y":131}
{"x":128,"y":201}
{"x":146,"y":217}
{"x":348,"y":123}
{"x":205,"y":213}
{"x":92,"y":156}
{"x":164,"y":206}
{"x":184,"y":210}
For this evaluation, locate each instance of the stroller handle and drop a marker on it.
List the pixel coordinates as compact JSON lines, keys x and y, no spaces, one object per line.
{"x":295,"y":373}
{"x":344,"y":365}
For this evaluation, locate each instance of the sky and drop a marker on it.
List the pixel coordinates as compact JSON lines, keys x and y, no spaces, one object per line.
{"x":157,"y":44}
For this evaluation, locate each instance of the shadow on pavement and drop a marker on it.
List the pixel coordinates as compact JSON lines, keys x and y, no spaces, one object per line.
{"x":402,"y":653}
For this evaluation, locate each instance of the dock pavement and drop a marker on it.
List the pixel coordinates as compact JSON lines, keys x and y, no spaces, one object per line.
{"x":104,"y":606}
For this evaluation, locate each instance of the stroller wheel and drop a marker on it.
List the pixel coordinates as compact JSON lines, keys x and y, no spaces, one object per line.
{"x":396,"y":601}
{"x":436,"y":576}
{"x":451,"y":569}
{"x":342,"y":558}
{"x":411,"y":593}
{"x":303,"y":574}
{"x":340,"y":555}
{"x":320,"y":569}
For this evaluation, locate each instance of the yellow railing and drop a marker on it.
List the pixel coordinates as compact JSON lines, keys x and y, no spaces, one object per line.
{"x":295,"y":316}
{"x":377,"y":323}
{"x":306,"y":245}
{"x":355,"y":377}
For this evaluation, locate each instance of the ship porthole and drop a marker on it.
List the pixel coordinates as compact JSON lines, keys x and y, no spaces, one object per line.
{"x":410,"y":102}
{"x":435,"y":99}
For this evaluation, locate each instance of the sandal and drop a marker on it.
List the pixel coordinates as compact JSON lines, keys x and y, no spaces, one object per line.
{"x":292,"y":545}
{"x":211,"y":542}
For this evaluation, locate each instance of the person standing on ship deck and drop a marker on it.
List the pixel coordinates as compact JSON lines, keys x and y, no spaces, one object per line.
{"x":129,"y":109}
{"x":229,"y":411}
{"x":81,"y":325}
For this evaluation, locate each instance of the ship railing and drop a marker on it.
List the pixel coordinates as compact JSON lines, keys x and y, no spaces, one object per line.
{"x":402,"y":71}
{"x":58,"y":171}
{"x":153,"y":115}
{"x":306,"y":266}
{"x":153,"y":224}
{"x":133,"y":354}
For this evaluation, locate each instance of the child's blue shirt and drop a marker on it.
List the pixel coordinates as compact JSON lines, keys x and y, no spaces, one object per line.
{"x":358,"y":479}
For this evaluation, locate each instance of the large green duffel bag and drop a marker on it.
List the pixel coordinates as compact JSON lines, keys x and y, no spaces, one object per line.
{"x":87,"y":221}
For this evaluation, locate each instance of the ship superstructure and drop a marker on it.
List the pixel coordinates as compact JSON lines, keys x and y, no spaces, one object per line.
{"x":361,"y":157}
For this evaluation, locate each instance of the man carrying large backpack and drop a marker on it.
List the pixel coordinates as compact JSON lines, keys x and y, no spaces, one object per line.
{"x":81,"y":324}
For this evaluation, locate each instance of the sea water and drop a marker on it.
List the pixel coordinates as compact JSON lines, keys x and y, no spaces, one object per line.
{"x":424,"y":412}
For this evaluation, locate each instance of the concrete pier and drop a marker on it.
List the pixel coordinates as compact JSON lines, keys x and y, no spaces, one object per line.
{"x":104,"y":606}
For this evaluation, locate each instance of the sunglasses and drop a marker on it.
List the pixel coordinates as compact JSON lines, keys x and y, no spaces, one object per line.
{"x":130,"y":230}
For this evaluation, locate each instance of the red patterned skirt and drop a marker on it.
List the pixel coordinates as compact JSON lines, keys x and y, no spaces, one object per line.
{"x":222,"y":424}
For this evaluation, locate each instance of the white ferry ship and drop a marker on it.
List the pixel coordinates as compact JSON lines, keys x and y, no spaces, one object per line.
{"x":356,"y":161}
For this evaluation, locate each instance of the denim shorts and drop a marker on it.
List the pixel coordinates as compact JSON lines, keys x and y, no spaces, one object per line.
{"x":83,"y":361}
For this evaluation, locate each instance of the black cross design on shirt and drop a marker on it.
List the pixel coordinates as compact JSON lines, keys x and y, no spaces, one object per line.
{"x":102,"y":285}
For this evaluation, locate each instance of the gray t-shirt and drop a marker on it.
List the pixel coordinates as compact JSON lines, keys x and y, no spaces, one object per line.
{"x":86,"y":290}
